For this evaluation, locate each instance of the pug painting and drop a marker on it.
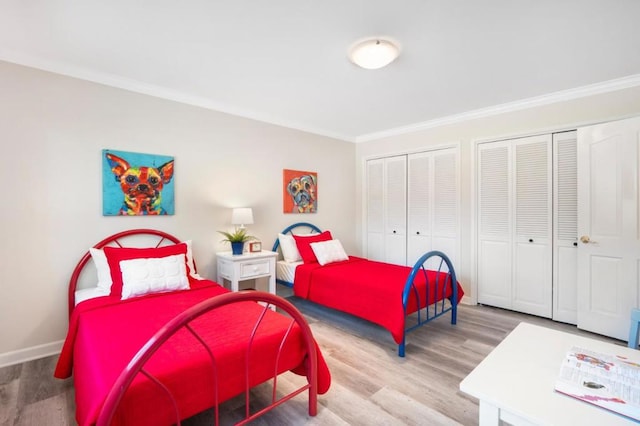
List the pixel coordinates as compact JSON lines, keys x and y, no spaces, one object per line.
{"x":300,"y":192}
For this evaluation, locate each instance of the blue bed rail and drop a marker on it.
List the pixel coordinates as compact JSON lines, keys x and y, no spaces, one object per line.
{"x":427,"y":312}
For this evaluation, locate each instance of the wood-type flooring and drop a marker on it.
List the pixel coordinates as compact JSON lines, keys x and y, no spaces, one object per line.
{"x":371,"y":385}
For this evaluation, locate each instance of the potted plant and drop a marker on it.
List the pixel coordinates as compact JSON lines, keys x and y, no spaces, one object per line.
{"x":237,"y":239}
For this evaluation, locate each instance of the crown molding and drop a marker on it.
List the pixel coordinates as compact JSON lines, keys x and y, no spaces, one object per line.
{"x":199,"y":101}
{"x":136,"y":86}
{"x":561,"y":96}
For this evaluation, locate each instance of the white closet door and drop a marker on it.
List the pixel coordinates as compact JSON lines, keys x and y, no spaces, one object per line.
{"x":494,"y":224}
{"x":395,"y":187}
{"x":608,"y":216}
{"x":532,"y":257}
{"x":445,"y":203}
{"x":420,"y":204}
{"x":375,"y":209}
{"x":565,"y":224}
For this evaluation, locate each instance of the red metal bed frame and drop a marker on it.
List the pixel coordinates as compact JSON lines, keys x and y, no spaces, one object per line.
{"x":137,"y":364}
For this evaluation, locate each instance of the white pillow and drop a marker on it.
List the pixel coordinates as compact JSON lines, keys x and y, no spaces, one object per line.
{"x":190,"y":264}
{"x":153,"y":275}
{"x":289,"y":248}
{"x":102,"y":266}
{"x":329,"y":251}
{"x":104,"y":273}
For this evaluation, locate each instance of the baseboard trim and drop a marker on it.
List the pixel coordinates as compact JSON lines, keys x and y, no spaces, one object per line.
{"x":29,"y":354}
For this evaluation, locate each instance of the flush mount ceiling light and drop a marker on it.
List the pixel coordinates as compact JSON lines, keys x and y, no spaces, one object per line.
{"x":373,"y":53}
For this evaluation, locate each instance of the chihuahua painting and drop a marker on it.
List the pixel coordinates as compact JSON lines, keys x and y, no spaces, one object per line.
{"x":140,"y":184}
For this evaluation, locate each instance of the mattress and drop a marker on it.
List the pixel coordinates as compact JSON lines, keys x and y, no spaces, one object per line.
{"x":90,"y":293}
{"x":286,"y":271}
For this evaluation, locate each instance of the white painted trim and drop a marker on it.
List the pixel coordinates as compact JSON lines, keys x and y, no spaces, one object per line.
{"x":473,"y":192}
{"x":551,"y":98}
{"x":136,"y":86}
{"x":458,"y":150}
{"x":429,"y":148}
{"x":28,"y":354}
{"x":199,"y":101}
{"x":364,"y":238}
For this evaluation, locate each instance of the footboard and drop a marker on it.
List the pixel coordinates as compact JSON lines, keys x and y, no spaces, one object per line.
{"x":183,"y":323}
{"x":441,"y":285}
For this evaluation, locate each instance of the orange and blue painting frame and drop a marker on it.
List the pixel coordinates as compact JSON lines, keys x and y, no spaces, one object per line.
{"x":299,"y":191}
{"x":136,"y":184}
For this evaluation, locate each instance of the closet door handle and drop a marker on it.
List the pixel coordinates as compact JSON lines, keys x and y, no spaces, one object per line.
{"x":575,"y":244}
{"x":530,"y":240}
{"x":394,"y":231}
{"x":417,"y":232}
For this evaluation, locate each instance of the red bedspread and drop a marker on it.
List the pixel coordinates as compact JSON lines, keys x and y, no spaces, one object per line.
{"x":368,"y":289}
{"x":104,"y":334}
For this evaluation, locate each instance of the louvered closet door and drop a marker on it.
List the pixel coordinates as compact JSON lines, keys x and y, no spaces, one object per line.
{"x":532,"y":261}
{"x":395,"y":195}
{"x":375,"y":209}
{"x":565,"y":222}
{"x":494,"y":224}
{"x":445,"y":203}
{"x":420,"y":202}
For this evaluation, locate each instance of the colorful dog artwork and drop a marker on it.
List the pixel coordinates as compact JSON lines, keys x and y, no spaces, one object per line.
{"x":300,"y":191}
{"x":137,"y":184}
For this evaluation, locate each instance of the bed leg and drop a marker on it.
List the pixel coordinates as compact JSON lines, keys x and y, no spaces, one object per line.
{"x":401,"y":348}
{"x":313,"y":405}
{"x":454,"y":313}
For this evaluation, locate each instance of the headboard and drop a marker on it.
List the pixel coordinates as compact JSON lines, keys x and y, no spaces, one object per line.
{"x":310,"y":228}
{"x":129,"y":238}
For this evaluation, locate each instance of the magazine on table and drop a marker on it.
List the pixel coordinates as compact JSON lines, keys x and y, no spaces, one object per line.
{"x":606,"y":380}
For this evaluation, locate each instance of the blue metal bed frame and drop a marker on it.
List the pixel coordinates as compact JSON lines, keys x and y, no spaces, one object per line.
{"x":424,"y":314}
{"x":289,"y":230}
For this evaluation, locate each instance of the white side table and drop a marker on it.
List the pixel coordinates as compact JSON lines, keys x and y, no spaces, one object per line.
{"x":515,"y":383}
{"x":247,"y":266}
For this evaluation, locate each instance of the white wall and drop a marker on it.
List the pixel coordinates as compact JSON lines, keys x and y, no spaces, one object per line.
{"x":53,"y":129}
{"x":558,"y":116}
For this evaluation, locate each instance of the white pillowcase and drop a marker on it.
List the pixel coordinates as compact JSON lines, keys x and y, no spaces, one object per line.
{"x":153,"y":275}
{"x":289,"y":248}
{"x":104,"y":273}
{"x":102,"y":266}
{"x":329,"y":251}
{"x":190,"y":264}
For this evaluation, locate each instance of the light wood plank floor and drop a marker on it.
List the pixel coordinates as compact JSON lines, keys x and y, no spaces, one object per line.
{"x":371,"y":385}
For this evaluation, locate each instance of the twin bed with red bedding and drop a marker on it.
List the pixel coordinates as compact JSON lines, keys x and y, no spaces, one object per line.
{"x":164,"y":355}
{"x":382,"y":293}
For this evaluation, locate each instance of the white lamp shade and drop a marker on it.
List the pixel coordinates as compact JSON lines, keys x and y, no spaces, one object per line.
{"x":373,"y":53}
{"x":242,"y":216}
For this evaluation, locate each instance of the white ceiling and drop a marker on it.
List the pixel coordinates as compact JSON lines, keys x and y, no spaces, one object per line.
{"x":284,"y":61}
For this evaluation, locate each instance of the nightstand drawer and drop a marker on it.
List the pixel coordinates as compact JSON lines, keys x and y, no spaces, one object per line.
{"x":251,"y":269}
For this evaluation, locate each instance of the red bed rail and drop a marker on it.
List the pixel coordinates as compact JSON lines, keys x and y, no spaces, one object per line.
{"x":137,"y":364}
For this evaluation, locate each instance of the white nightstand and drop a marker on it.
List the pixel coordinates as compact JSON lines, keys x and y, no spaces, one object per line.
{"x":247,"y":266}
